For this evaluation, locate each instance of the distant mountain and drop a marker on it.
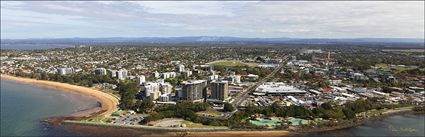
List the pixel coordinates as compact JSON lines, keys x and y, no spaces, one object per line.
{"x":208,"y":39}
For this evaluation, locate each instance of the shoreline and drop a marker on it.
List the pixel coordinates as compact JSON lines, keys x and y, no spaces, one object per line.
{"x":108,"y":103}
{"x":166,"y":131}
{"x":231,"y":132}
{"x":357,"y":123}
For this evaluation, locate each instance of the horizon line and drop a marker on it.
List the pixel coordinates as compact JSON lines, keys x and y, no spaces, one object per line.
{"x":34,"y":38}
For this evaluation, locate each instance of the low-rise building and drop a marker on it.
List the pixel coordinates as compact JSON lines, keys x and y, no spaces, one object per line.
{"x":277,"y":88}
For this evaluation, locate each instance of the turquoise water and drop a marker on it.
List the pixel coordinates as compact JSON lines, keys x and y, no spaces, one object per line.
{"x":295,"y":121}
{"x":264,"y":122}
{"x":24,"y":106}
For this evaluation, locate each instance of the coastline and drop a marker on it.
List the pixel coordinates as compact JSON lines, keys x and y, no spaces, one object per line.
{"x":132,"y":130}
{"x":276,"y":132}
{"x":108,"y":103}
{"x":226,"y":132}
{"x":357,"y":123}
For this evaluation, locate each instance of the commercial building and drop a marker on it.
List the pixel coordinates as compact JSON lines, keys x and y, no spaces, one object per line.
{"x":252,"y":77}
{"x":194,"y":90}
{"x":100,"y":71}
{"x":219,"y":90}
{"x":277,"y":88}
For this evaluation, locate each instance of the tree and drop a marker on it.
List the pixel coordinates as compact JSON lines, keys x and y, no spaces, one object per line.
{"x":145,"y":106}
{"x":252,"y":109}
{"x":359,"y":105}
{"x":44,"y":76}
{"x":268,"y":111}
{"x":228,"y":107}
{"x":297,"y":111}
{"x":327,"y":105}
{"x":386,"y":89}
{"x":349,"y":114}
{"x":336,"y":113}
{"x":278,"y":110}
{"x":128,"y":91}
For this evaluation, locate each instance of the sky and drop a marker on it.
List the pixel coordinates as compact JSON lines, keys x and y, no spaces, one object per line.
{"x":294,"y":19}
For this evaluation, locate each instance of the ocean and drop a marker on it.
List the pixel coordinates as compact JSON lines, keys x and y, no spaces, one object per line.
{"x":33,"y":46}
{"x":24,"y":106}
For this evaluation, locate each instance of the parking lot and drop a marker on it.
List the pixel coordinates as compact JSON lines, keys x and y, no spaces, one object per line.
{"x":128,"y":120}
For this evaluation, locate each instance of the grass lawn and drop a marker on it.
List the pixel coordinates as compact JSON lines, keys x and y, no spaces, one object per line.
{"x":177,"y":121}
{"x":101,"y":119}
{"x":375,"y":112}
{"x":190,"y":124}
{"x":381,"y":65}
{"x":386,"y":67}
{"x":231,"y":63}
{"x":209,"y":112}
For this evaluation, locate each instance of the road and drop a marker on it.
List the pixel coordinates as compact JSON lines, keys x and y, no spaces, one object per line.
{"x":242,"y":97}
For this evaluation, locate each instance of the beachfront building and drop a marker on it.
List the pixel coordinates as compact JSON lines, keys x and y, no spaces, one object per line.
{"x":194,"y":90}
{"x":122,"y":74}
{"x":219,"y":90}
{"x":150,"y":87}
{"x":65,"y":71}
{"x":100,"y":71}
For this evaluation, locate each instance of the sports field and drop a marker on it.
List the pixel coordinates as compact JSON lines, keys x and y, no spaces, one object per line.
{"x":231,"y":63}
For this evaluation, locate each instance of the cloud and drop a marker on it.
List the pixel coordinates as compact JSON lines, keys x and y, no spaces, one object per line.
{"x":338,"y":19}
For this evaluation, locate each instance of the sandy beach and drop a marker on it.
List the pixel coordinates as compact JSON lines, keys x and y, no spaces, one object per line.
{"x":276,"y":133}
{"x":108,"y":103}
{"x":99,"y":129}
